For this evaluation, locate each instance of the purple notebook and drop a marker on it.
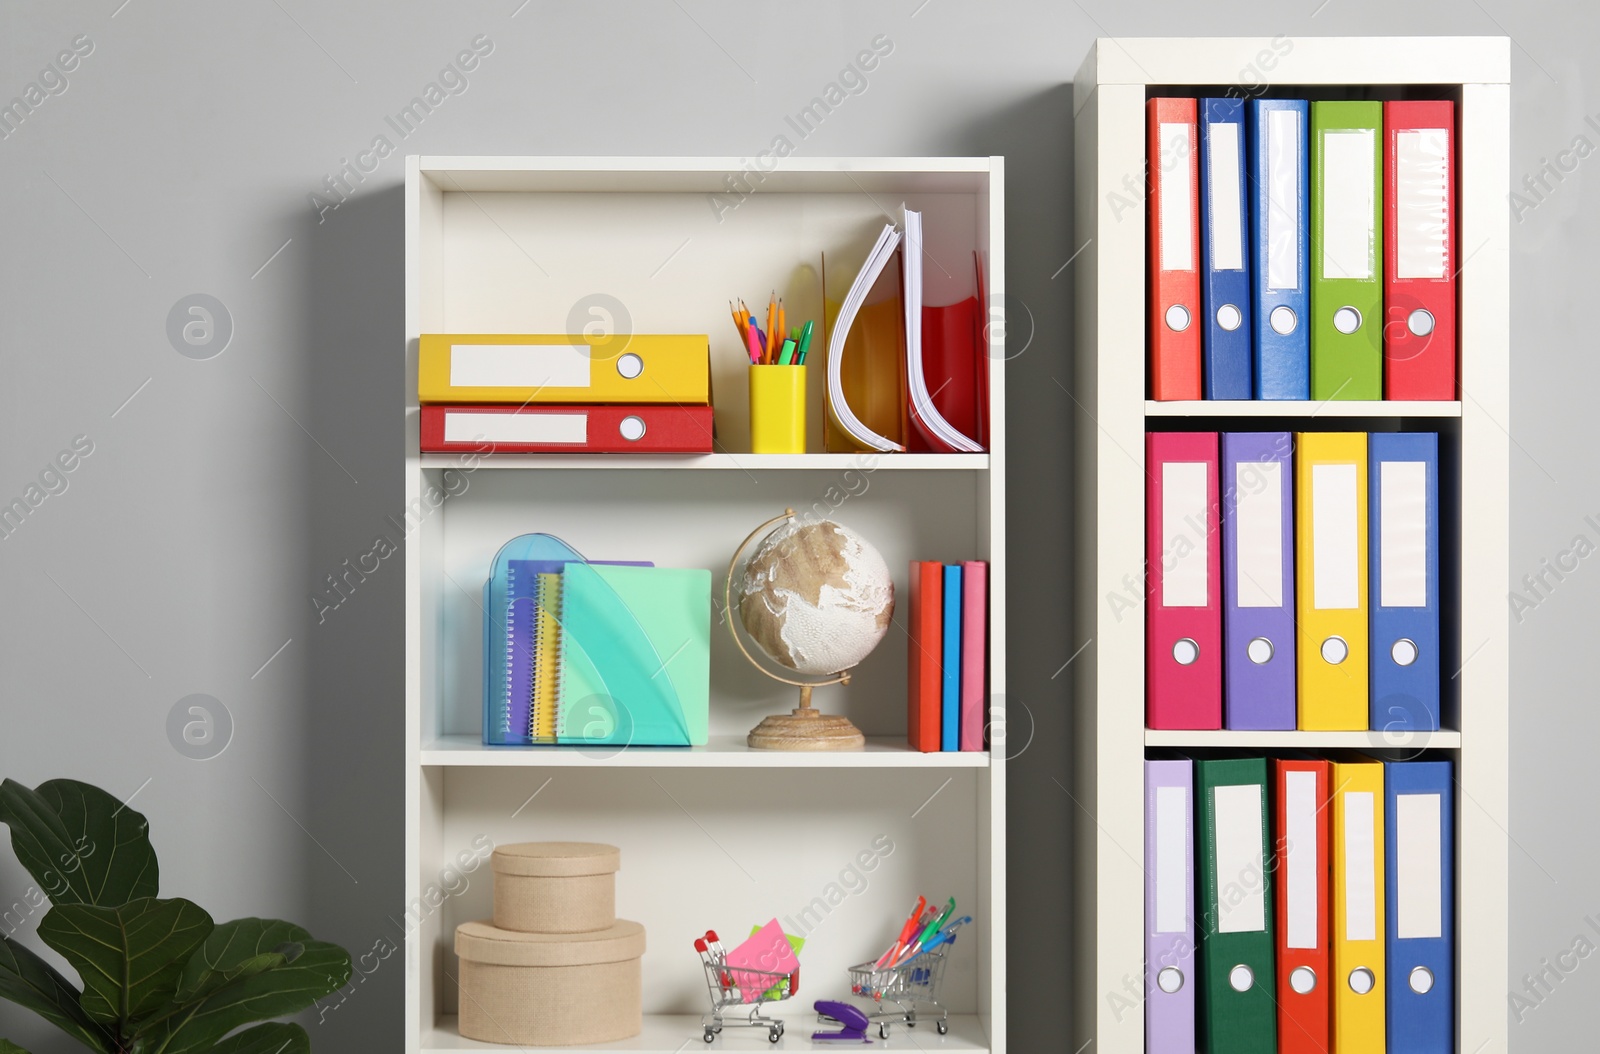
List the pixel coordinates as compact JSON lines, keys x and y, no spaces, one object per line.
{"x":1169,"y":907}
{"x":1257,"y":484}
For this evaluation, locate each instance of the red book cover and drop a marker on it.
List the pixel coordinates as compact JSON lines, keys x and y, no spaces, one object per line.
{"x":924,"y":687}
{"x":1183,"y":576}
{"x":547,"y":429}
{"x":1419,"y":249}
{"x":953,"y":364}
{"x":1302,"y":878}
{"x":1173,"y":226}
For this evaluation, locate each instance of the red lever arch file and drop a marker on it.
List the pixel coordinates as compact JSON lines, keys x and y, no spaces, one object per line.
{"x":1183,"y":572}
{"x":1419,"y":246}
{"x":557,"y":429}
{"x":1302,"y":876}
{"x":1174,"y":236}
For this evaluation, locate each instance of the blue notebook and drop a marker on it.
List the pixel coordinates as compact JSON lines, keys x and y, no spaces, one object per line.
{"x":950,"y":684}
{"x":1224,"y":251}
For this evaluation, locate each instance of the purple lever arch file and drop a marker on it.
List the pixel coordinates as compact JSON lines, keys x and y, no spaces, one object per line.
{"x":1258,"y":628}
{"x":1169,"y":907}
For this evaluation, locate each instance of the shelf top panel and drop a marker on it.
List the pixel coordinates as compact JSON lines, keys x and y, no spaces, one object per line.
{"x":736,"y":462}
{"x":1373,"y":740}
{"x":1295,"y":408}
{"x":673,"y":1034}
{"x":702,"y":175}
{"x":723,"y":751}
{"x":1249,"y":61}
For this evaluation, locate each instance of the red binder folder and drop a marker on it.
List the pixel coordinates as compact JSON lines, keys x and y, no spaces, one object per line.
{"x":1419,"y":246}
{"x":545,"y":429}
{"x":1174,"y":239}
{"x":1183,"y":574}
{"x":1302,"y":816}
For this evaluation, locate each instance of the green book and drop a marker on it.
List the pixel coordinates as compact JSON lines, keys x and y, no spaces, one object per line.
{"x":1237,"y":1011}
{"x":1346,"y":250}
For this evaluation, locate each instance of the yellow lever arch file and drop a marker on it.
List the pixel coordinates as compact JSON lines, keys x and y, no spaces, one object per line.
{"x":1331,"y":580}
{"x":1358,"y":908}
{"x":564,"y":368}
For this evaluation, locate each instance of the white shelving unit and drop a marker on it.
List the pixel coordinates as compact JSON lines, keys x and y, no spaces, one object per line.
{"x":834,"y":845}
{"x":1111,"y":740}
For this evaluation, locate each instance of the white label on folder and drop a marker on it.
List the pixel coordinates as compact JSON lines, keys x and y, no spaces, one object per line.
{"x":1349,"y":237}
{"x":516,"y":428}
{"x":1172,"y":860}
{"x":1284,"y":160}
{"x":1222,"y":179}
{"x":1360,"y":864}
{"x":1183,"y":539}
{"x":1335,"y":553}
{"x":1241,"y":871}
{"x":519,"y":365}
{"x":1258,"y":514}
{"x":1403,"y":534}
{"x":1419,"y":869}
{"x":1422,"y":203}
{"x":1300,"y":809}
{"x":1177,"y":198}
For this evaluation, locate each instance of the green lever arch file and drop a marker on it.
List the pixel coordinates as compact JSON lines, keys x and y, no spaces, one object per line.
{"x":1346,"y":250}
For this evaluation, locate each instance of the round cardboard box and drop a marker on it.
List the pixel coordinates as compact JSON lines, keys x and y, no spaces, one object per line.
{"x":555,"y":887}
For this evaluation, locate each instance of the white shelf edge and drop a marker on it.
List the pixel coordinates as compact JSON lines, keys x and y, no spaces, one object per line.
{"x":861,"y":462}
{"x":723,"y":751}
{"x":676,"y":1033}
{"x":1297,"y":408}
{"x":1372,"y":740}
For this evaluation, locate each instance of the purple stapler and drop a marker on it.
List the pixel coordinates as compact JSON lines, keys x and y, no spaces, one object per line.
{"x":854,"y":1021}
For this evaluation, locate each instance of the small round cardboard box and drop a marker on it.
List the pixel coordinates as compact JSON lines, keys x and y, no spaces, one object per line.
{"x":548,"y":989}
{"x":555,"y":887}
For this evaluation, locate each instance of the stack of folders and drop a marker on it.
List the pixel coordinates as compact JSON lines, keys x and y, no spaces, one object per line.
{"x":948,"y":656}
{"x":1274,"y":607}
{"x":1302,"y":250}
{"x":554,"y":393}
{"x":1299,"y":906}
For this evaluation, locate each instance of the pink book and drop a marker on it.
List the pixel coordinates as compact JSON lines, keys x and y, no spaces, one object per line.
{"x":974,"y":651}
{"x":767,"y":950}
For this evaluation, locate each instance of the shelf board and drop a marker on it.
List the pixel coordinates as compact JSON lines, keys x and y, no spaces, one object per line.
{"x":723,"y":751}
{"x":676,"y":1033}
{"x":1374,"y":740}
{"x":1299,"y":408}
{"x":861,"y":462}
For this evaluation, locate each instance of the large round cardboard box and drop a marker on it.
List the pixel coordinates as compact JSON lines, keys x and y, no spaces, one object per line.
{"x":555,"y":887}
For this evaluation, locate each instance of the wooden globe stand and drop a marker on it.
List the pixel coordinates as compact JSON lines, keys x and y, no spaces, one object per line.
{"x":802,"y":728}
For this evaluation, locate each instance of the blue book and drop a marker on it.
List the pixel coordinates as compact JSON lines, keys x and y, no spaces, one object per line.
{"x":1403,"y":511}
{"x":1225,"y":251}
{"x":950,"y":687}
{"x":1280,"y":251}
{"x":1419,"y":887}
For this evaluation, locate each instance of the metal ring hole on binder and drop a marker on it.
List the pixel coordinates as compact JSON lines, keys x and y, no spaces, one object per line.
{"x":1303,"y":979}
{"x":1229,"y":317}
{"x":1421,"y":980}
{"x":1347,"y":320}
{"x":1404,"y":652}
{"x":1177,"y":318}
{"x":1170,"y":979}
{"x":1420,"y":322}
{"x":1241,"y":977}
{"x":1361,"y":980}
{"x":1282,"y":320}
{"x":632,"y":428}
{"x":1259,"y":650}
{"x":1185,"y":652}
{"x":1335,"y":651}
{"x":630,"y":365}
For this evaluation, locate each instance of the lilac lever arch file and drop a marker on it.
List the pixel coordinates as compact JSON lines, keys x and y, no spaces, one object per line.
{"x":1258,"y":581}
{"x":1169,"y":907}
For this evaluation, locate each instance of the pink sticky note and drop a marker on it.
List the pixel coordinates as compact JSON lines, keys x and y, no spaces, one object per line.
{"x":767,"y":950}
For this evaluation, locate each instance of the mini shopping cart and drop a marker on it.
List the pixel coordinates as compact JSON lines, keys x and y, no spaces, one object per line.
{"x":740,"y":987}
{"x":898,"y":991}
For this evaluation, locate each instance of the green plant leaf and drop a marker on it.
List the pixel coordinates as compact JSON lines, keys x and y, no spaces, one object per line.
{"x":79,"y":843}
{"x":279,"y":1037}
{"x":33,"y":984}
{"x":8,"y":1047}
{"x":239,"y":949}
{"x":129,"y":957}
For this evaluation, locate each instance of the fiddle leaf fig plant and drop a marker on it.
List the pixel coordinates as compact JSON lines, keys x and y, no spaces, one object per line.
{"x":159,"y":976}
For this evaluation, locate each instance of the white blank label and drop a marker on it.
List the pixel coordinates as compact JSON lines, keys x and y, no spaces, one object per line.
{"x":1258,"y":513}
{"x":1422,"y":203}
{"x":1335,"y":559}
{"x":1300,"y":809}
{"x":1419,"y":869}
{"x":1172,"y":860}
{"x":1360,"y":876}
{"x":1183,"y":540}
{"x":516,"y":428}
{"x":1403,"y":534}
{"x":1241,"y":873}
{"x":1285,"y":146}
{"x":1349,"y":240}
{"x":1177,"y":198}
{"x":519,"y":365}
{"x":1222,"y":179}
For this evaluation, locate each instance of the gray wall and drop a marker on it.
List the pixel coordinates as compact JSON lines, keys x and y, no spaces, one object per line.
{"x":178,"y":160}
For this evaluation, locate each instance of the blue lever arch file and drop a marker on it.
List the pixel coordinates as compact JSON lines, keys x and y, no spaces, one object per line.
{"x":1280,"y":254}
{"x":1419,"y":826}
{"x":1403,"y":477}
{"x":1224,"y":238}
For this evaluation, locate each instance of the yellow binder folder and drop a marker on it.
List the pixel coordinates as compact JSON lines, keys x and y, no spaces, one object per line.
{"x":564,"y":368}
{"x":1331,"y":580}
{"x":1358,"y":915}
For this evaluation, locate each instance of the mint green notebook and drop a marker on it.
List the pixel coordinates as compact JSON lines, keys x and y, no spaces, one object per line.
{"x":635,"y":655}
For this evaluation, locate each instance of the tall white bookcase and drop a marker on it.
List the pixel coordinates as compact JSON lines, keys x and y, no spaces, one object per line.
{"x":1111,"y":740}
{"x":836,"y":846}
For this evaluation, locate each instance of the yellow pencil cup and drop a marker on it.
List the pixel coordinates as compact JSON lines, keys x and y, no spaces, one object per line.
{"x":778,"y":409}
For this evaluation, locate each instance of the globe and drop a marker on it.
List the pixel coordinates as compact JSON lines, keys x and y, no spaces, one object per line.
{"x":816,"y":597}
